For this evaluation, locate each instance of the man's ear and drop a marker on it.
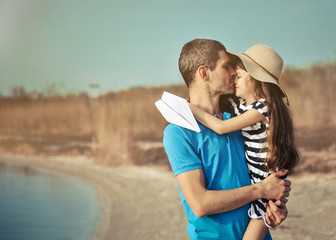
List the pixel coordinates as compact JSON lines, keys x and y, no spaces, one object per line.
{"x":202,"y":71}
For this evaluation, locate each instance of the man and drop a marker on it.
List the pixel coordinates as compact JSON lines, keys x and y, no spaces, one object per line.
{"x":210,"y":169}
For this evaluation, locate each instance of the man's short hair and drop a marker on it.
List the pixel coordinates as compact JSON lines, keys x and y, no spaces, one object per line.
{"x":196,"y":53}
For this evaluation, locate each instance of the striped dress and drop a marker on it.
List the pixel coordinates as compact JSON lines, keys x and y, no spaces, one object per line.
{"x":255,"y":139}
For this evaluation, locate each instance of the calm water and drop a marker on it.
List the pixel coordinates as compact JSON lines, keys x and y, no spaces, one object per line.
{"x":37,"y":204}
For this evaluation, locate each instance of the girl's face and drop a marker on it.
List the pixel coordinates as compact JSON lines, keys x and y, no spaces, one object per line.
{"x":244,"y":85}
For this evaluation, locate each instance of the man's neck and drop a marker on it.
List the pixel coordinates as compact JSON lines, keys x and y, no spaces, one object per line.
{"x":204,"y":100}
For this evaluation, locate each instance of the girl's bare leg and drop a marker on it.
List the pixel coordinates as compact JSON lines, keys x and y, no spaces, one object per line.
{"x":256,"y":229}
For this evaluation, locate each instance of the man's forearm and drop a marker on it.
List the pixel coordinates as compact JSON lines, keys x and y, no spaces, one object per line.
{"x":205,"y":202}
{"x":212,"y":202}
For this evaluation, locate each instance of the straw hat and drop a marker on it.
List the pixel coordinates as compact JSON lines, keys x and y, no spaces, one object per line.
{"x":262,"y":63}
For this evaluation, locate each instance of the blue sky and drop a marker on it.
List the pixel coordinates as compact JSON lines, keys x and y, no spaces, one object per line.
{"x":121,"y":44}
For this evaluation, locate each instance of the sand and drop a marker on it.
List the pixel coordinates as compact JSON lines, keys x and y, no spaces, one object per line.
{"x":144,"y":202}
{"x":136,"y":202}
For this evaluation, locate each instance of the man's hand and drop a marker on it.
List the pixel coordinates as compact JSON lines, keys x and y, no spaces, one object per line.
{"x":276,"y":213}
{"x":274,"y":188}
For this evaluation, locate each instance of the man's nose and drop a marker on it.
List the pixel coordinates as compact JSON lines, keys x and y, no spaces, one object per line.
{"x":233,"y":73}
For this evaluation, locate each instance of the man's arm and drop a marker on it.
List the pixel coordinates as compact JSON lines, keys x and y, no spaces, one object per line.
{"x":205,"y":202}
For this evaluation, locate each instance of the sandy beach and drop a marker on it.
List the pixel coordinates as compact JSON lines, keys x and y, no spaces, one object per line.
{"x":144,"y":203}
{"x":136,"y":202}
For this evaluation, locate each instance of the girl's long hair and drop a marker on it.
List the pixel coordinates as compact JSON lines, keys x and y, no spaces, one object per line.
{"x":282,"y":152}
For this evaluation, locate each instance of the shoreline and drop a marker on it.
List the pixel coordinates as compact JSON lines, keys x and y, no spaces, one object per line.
{"x":126,"y":196}
{"x":78,"y":168}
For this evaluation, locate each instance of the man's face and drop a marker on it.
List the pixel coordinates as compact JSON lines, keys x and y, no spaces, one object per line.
{"x":221,"y":79}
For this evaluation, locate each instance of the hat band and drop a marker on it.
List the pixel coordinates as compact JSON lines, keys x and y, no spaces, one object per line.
{"x":261,"y":66}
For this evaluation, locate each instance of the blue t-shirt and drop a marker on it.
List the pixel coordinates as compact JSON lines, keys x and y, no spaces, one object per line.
{"x":223,"y":162}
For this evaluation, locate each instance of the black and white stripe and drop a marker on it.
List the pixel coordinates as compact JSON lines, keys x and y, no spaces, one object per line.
{"x":255,"y":138}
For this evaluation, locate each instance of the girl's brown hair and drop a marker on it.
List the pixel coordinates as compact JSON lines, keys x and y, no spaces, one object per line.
{"x":282,"y":152}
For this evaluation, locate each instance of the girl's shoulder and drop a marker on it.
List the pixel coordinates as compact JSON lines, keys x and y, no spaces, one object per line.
{"x":261,"y":106}
{"x":261,"y":102}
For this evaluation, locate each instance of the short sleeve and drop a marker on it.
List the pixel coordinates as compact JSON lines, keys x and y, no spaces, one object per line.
{"x":179,"y":144}
{"x":260,"y":107}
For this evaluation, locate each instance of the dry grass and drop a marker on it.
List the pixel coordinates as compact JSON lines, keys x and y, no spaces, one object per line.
{"x":312,"y":95}
{"x":125,"y":118}
{"x":45,"y":116}
{"x":116,"y":122}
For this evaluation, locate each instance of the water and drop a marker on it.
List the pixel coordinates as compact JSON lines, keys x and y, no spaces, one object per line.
{"x":37,"y":204}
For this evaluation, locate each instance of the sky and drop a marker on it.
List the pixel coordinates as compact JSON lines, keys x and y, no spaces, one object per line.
{"x":70,"y":44}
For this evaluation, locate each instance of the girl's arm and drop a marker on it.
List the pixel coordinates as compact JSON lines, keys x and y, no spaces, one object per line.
{"x":256,"y":230}
{"x":246,"y":119}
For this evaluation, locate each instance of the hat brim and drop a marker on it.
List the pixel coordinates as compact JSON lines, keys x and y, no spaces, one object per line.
{"x":255,"y":71}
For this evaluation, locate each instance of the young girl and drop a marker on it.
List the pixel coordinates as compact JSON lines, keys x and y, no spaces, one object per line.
{"x":265,"y":121}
